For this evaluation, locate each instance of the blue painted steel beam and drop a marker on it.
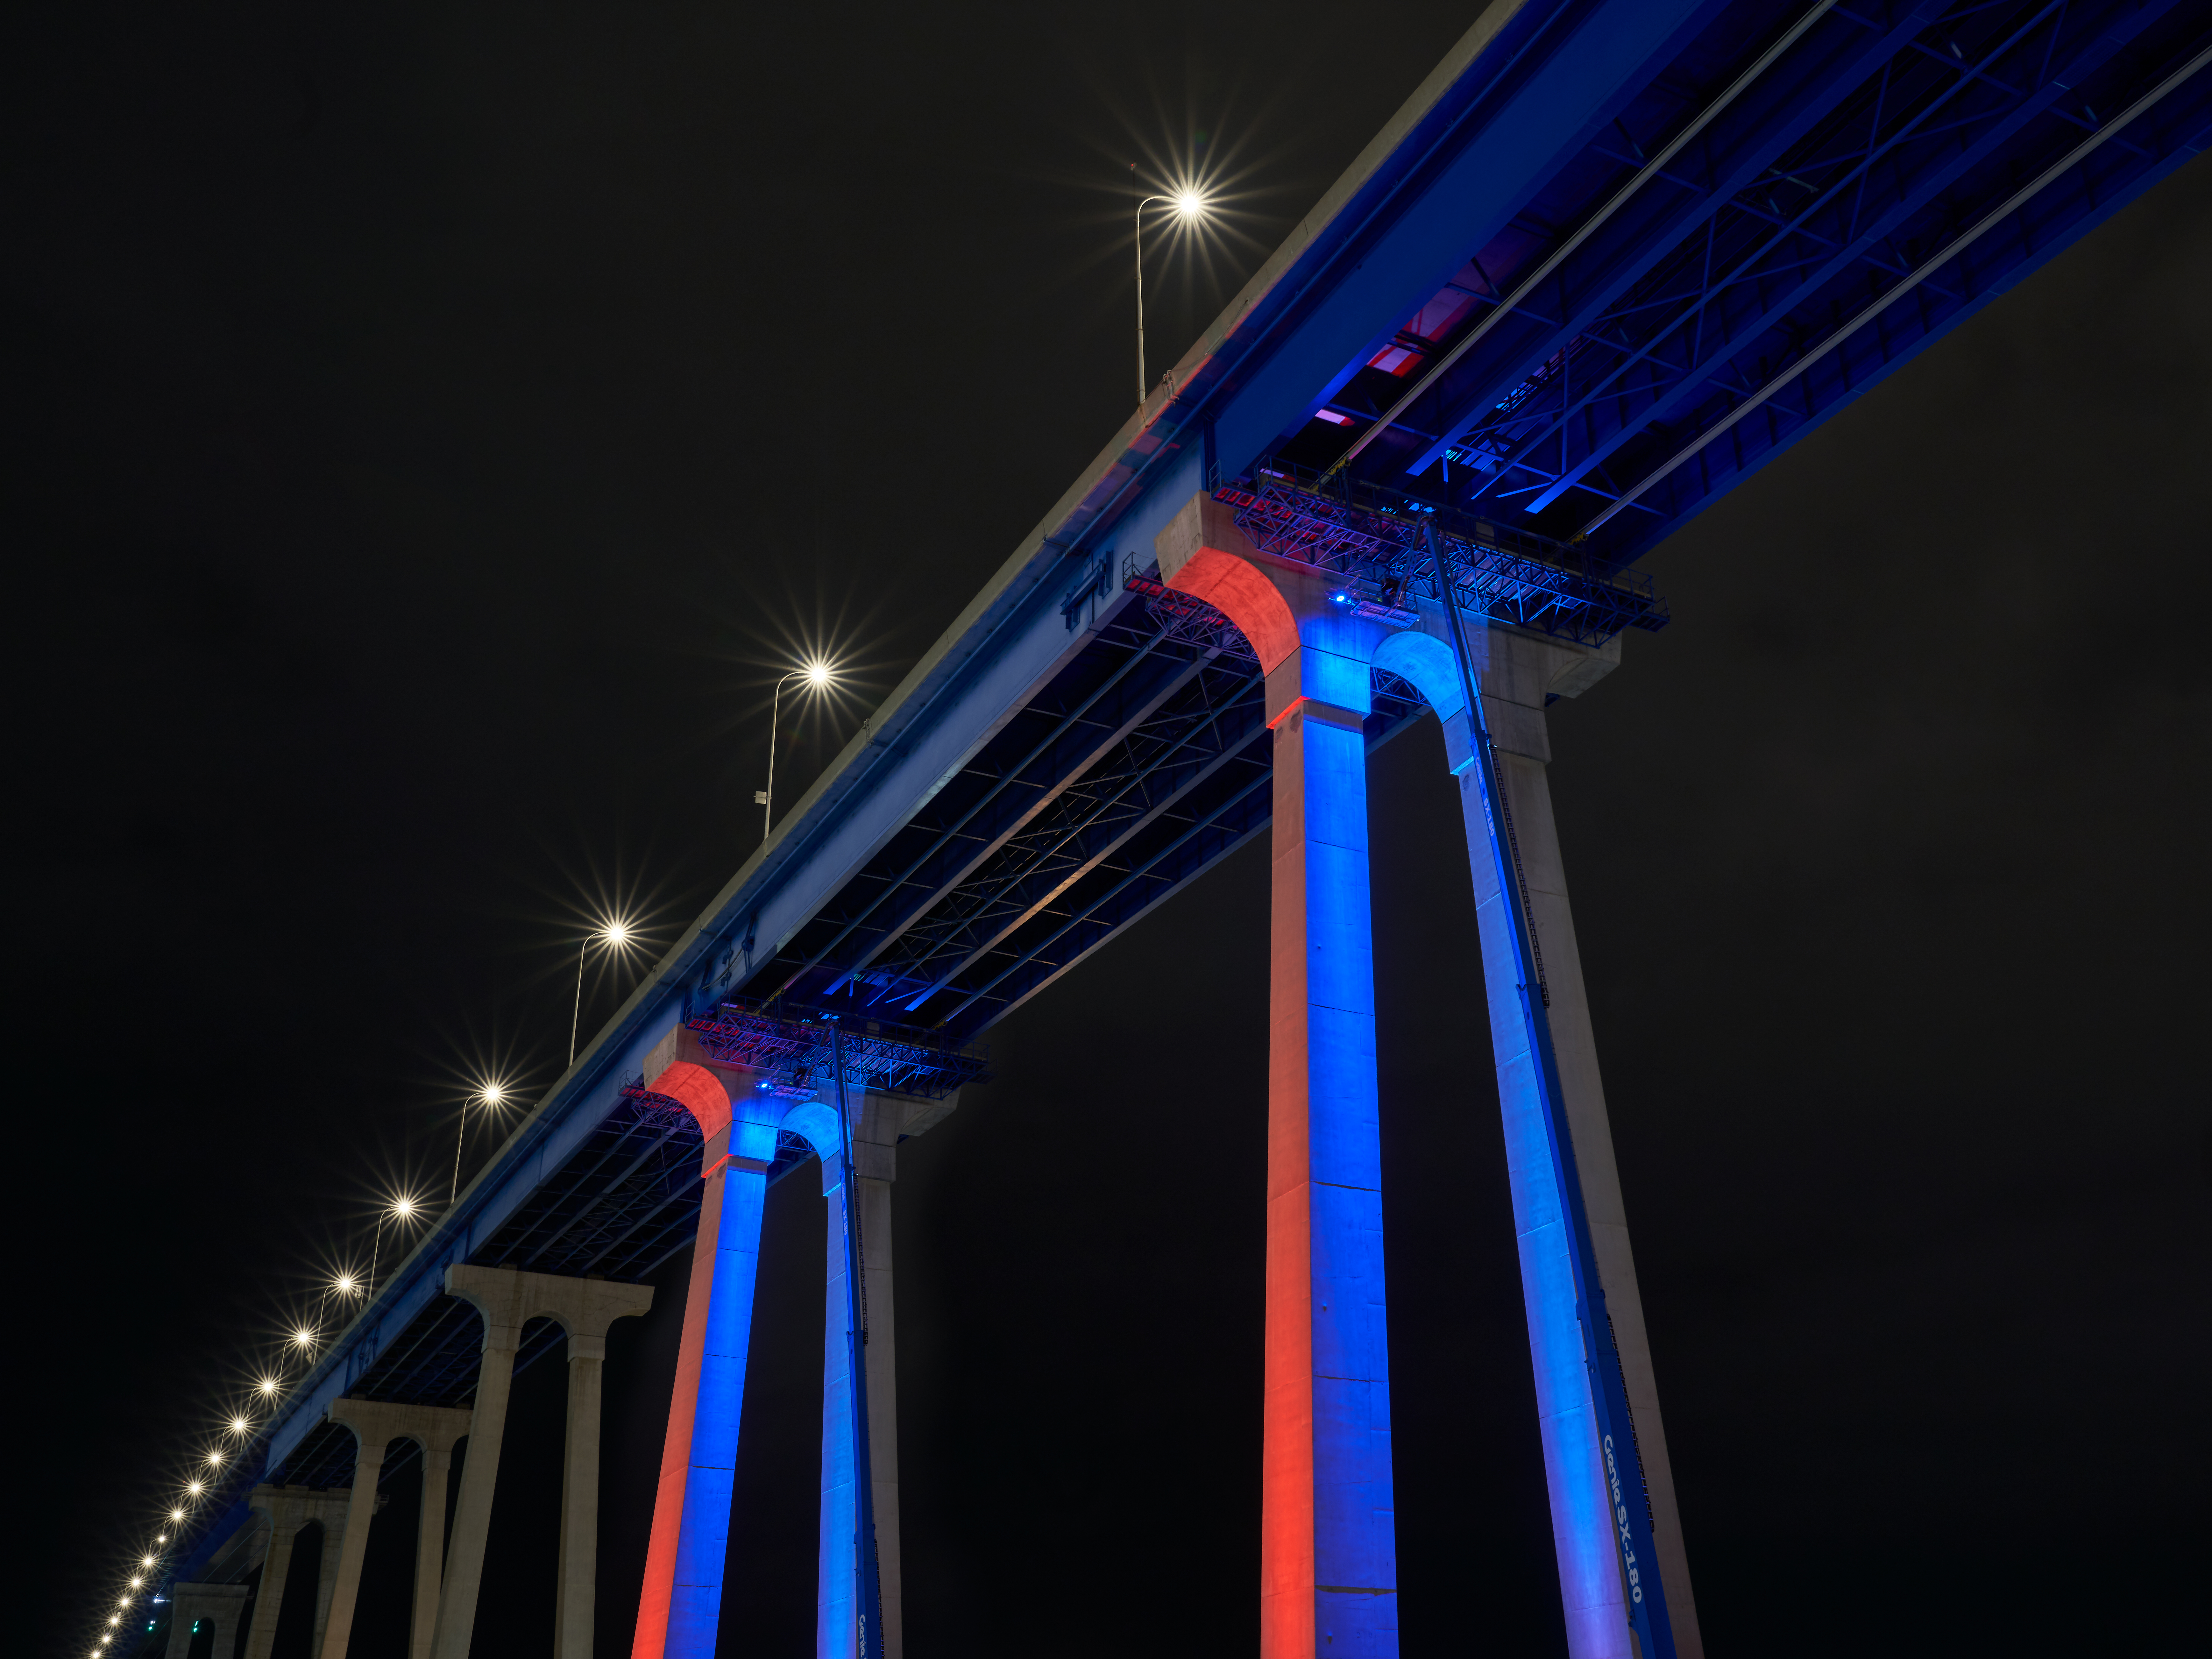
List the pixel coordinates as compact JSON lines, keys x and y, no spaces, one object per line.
{"x":1909,"y":187}
{"x":1796,"y":94}
{"x":1569,"y":71}
{"x":2181,"y":127}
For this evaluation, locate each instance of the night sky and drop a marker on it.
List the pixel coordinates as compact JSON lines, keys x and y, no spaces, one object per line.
{"x":431,"y":429}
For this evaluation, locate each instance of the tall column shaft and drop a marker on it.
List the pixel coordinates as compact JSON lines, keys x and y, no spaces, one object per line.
{"x":1583,"y":1540}
{"x":680,"y":1605}
{"x":345,"y":1580}
{"x":836,"y":1566}
{"x":465,"y":1554}
{"x":1522,"y":672}
{"x":875,"y":1139}
{"x":327,"y":1579}
{"x":875,"y":1200}
{"x":1329,"y":1572}
{"x":276,"y":1567}
{"x":1329,"y":1564}
{"x":575,"y":1604}
{"x":429,"y":1551}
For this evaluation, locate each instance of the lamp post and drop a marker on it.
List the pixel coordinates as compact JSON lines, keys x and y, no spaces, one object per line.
{"x":491,"y":1095}
{"x":401,"y":1208}
{"x":615,"y":935}
{"x":1188,"y":205}
{"x":818,"y":675}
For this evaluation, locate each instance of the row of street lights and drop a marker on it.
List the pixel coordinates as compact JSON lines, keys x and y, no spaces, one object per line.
{"x":301,"y":1341}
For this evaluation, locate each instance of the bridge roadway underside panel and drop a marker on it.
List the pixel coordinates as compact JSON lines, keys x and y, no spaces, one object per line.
{"x":1142,"y":765}
{"x":1652,"y":313}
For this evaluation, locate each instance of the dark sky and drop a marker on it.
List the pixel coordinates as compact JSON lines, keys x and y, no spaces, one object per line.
{"x":431,"y":428}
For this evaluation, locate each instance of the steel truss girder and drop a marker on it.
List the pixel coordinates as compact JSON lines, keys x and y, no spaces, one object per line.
{"x":1213,"y":716}
{"x":1740,"y":149}
{"x":1223,"y":805}
{"x":1757,"y":267}
{"x":1088,"y":709}
{"x":1900,"y":194}
{"x":1822,"y":381}
{"x":1750,"y":282}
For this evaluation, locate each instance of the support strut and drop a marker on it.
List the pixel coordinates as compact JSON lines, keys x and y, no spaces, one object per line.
{"x":1644,"y":1595}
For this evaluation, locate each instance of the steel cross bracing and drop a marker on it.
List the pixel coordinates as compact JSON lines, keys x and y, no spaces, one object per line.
{"x":1856,"y":156}
{"x":1377,"y":552}
{"x":1143,"y":766}
{"x":799,"y":1050}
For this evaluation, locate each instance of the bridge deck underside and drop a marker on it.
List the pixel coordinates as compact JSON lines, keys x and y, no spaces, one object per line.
{"x":1143,"y":764}
{"x":1853,"y":161}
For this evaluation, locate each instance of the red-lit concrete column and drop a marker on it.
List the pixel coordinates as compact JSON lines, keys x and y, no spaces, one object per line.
{"x":680,"y":1608}
{"x":1328,"y":1552}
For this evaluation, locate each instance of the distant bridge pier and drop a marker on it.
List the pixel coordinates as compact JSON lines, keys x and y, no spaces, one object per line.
{"x":1329,"y":1549}
{"x":290,"y":1511}
{"x":217,"y":1605}
{"x":376,"y":1424}
{"x":736,"y":1108}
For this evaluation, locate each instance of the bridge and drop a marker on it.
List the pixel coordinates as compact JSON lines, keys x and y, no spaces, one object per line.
{"x":1610,"y":258}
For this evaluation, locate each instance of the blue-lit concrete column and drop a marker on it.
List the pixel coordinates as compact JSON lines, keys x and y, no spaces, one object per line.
{"x":834,"y":1627}
{"x":1329,"y":1554}
{"x":882,"y":1120}
{"x":680,"y":1607}
{"x":1516,"y":672}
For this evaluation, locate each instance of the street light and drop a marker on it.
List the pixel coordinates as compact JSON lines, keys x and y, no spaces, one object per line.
{"x":489,"y":1097}
{"x":402,"y":1208}
{"x":615,"y":935}
{"x":1189,"y":206}
{"x":819,"y":677}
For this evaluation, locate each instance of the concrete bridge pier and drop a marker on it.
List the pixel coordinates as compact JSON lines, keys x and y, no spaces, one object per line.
{"x":680,"y":1607}
{"x":290,"y":1511}
{"x":430,"y":1537}
{"x":1329,"y":1549}
{"x":219,"y":1606}
{"x":361,"y":1511}
{"x":879,"y":1121}
{"x":510,"y":1299}
{"x":376,"y":1424}
{"x":1516,"y":673}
